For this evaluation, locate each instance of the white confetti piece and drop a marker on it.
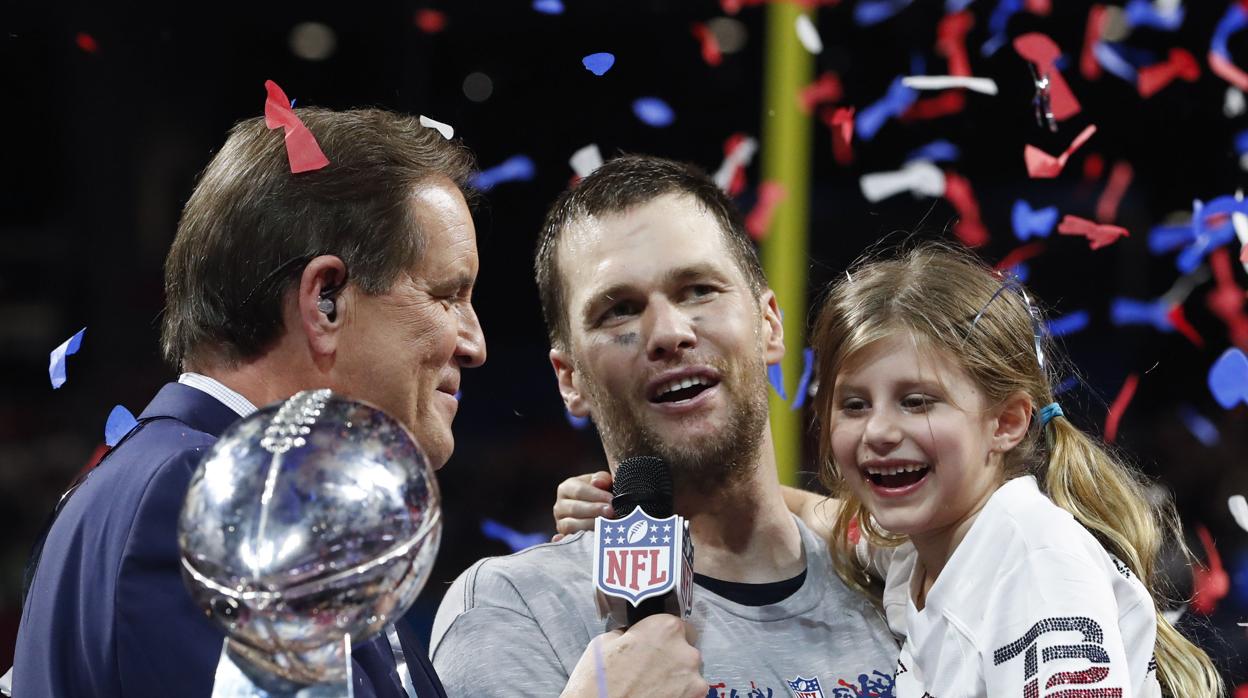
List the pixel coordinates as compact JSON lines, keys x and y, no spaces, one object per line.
{"x":738,"y":158}
{"x":986,"y":86}
{"x":919,"y":177}
{"x":586,"y":160}
{"x":808,"y":35}
{"x":447,"y":131}
{"x":1239,"y":510}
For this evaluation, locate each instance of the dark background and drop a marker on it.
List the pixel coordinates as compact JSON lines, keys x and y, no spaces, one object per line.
{"x":102,"y":145}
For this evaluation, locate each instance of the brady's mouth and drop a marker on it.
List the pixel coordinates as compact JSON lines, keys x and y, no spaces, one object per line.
{"x":895,"y":476}
{"x":682,"y":388}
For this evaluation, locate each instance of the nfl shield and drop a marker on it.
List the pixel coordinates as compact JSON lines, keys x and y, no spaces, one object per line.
{"x":638,"y":556}
{"x":805,"y":688}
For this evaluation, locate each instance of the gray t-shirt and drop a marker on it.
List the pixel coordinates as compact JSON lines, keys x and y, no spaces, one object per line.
{"x":517,"y":625}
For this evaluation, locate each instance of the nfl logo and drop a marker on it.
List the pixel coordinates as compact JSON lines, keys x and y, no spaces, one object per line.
{"x":636,"y":556}
{"x":805,"y":688}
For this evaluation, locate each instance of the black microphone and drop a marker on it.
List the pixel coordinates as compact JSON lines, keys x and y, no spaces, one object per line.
{"x":646,"y":482}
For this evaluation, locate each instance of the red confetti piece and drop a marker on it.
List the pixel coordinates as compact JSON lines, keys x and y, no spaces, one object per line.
{"x":852,"y":531}
{"x":1088,"y":65}
{"x":826,"y":89}
{"x":1098,"y":235}
{"x":430,"y":21}
{"x":710,"y":45}
{"x":1228,"y":71}
{"x":969,"y":229}
{"x":301,"y":147}
{"x":946,"y":103}
{"x":1041,"y":165}
{"x":737,"y":184}
{"x":1119,"y":406}
{"x":1177,"y":318}
{"x":86,"y":42}
{"x":1181,"y":64}
{"x":841,"y":122}
{"x":1020,"y":254}
{"x":1039,"y":7}
{"x":1119,"y":179}
{"x":1211,"y":583}
{"x":951,"y":41}
{"x":1041,"y":50}
{"x":770,"y":194}
{"x":1093,"y":166}
{"x":1226,"y":298}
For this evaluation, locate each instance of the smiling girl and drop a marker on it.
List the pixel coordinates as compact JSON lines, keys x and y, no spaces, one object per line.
{"x":1017,"y":553}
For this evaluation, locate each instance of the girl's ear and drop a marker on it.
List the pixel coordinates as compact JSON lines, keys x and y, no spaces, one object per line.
{"x":1011,"y":423}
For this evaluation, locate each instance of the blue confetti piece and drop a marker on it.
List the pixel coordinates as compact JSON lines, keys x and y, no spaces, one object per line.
{"x":952,"y":6}
{"x":1206,"y":240}
{"x":1029,"y":222}
{"x":1020,"y":272}
{"x":598,"y":63}
{"x":1113,"y":62}
{"x":1067,"y":384}
{"x":997,"y":23}
{"x":936,"y":151}
{"x":1068,"y":324}
{"x":575,"y":421}
{"x":458,"y":394}
{"x":1199,"y":425}
{"x":292,"y":103}
{"x":871,"y":12}
{"x":654,"y":112}
{"x":1228,"y":378}
{"x":1168,"y":238}
{"x":1129,"y":311}
{"x":1235,"y":19}
{"x":894,"y":102}
{"x":775,"y":375}
{"x":512,"y":538}
{"x":803,"y":383}
{"x":1241,"y":142}
{"x":1142,"y":13}
{"x":119,"y":423}
{"x":517,"y":168}
{"x":56,"y":359}
{"x":548,"y":7}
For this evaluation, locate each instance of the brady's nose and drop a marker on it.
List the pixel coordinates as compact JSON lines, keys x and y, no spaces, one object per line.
{"x":668,"y":331}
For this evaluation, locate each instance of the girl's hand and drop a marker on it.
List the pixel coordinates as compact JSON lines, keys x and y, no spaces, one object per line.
{"x":579,"y":500}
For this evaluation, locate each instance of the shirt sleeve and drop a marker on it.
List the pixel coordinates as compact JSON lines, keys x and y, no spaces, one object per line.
{"x":486,"y":642}
{"x":1051,"y":623}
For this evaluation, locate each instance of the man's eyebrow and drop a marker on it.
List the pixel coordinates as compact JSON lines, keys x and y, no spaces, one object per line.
{"x":601,"y":296}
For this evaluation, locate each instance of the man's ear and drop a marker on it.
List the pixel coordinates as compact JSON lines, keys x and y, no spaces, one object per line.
{"x":321,"y":304}
{"x":1012,"y":421}
{"x":773,"y":329}
{"x":569,"y":379}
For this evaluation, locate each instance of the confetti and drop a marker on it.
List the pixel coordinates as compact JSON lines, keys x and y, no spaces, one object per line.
{"x":738,"y":153}
{"x":823,"y":90}
{"x":56,"y":360}
{"x":1213,"y":226}
{"x":1179,"y":321}
{"x":944,"y":104}
{"x":1018,"y":255}
{"x":1199,"y":425}
{"x":1040,"y":7}
{"x":302,"y":150}
{"x":600,"y":668}
{"x":1029,"y":222}
{"x":430,"y":21}
{"x":86,"y":42}
{"x":1129,"y":311}
{"x":447,"y":131}
{"x":1119,"y":179}
{"x":1235,"y":19}
{"x":770,"y":194}
{"x":513,"y":539}
{"x":1234,"y":104}
{"x":517,"y":168}
{"x":969,"y":229}
{"x":919,"y":177}
{"x":575,"y":421}
{"x":548,"y":7}
{"x":898,"y":98}
{"x":586,"y":160}
{"x":841,"y":122}
{"x":1143,"y":13}
{"x":1226,"y":299}
{"x":1089,"y":67}
{"x":986,"y":86}
{"x":1068,"y":324}
{"x":120,"y":422}
{"x":1041,"y":165}
{"x":997,"y":23}
{"x":1109,"y":58}
{"x":709,"y":43}
{"x":653,"y":112}
{"x":1067,"y":384}
{"x":1228,"y":378}
{"x":1119,"y":406}
{"x":1040,"y":50}
{"x":808,"y":34}
{"x":775,"y":376}
{"x":1209,"y":584}
{"x":1180,"y":64}
{"x":871,"y":12}
{"x":598,"y":63}
{"x":951,"y":41}
{"x":803,"y":383}
{"x":1239,"y":511}
{"x":936,"y":151}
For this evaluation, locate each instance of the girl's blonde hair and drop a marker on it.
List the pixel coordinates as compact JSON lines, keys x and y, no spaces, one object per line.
{"x":950,"y":301}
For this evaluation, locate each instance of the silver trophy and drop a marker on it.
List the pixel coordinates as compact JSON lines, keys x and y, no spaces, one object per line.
{"x":310,"y":526}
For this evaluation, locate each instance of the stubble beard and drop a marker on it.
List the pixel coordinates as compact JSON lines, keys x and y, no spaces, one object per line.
{"x":702,"y":465}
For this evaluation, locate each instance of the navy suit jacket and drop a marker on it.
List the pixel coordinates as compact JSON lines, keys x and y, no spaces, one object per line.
{"x":107,"y":613}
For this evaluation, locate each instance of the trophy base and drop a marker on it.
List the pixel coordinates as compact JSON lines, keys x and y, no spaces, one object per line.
{"x":239,"y":677}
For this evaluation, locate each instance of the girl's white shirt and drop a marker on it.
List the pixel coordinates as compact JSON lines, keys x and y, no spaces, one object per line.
{"x":1029,"y":604}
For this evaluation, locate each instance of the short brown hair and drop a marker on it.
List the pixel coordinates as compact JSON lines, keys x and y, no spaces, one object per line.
{"x":251,"y":225}
{"x":618,"y":185}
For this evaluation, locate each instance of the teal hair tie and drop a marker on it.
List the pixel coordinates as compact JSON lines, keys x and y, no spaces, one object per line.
{"x":1048,"y":412}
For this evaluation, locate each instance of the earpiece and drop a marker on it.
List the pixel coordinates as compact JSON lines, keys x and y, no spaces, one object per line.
{"x":326,"y":305}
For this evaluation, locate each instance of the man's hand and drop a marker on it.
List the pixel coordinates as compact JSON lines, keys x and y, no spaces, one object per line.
{"x":652,"y":658}
{"x":579,"y":500}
